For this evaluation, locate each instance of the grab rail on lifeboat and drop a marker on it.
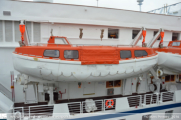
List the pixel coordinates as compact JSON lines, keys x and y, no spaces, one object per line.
{"x":76,"y":45}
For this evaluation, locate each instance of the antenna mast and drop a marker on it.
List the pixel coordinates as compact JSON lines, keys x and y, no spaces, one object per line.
{"x":140,"y":3}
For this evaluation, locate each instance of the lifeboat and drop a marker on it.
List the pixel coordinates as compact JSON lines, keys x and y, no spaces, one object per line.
{"x":58,"y":60}
{"x":170,"y":57}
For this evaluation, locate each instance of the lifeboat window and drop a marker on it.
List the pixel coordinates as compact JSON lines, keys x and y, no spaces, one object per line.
{"x":113,"y":33}
{"x":111,"y":84}
{"x":71,"y":54}
{"x":176,"y":44}
{"x":140,"y":53}
{"x":125,"y":54}
{"x":51,"y":53}
{"x":60,"y":41}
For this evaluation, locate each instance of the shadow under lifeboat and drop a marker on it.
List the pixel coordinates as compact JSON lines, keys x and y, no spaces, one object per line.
{"x":66,"y":62}
{"x":169,"y":57}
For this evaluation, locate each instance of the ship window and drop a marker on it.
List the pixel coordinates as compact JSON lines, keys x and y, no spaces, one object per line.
{"x":140,"y":53}
{"x":155,"y":32}
{"x":176,"y":44}
{"x":170,"y":78}
{"x":113,"y":33}
{"x":146,"y":117}
{"x":71,"y":54}
{"x":180,"y":77}
{"x":8,"y":31}
{"x":111,"y":84}
{"x":125,"y":54}
{"x":175,"y":36}
{"x":168,"y":114}
{"x":60,"y":41}
{"x":51,"y":53}
{"x":135,"y":33}
{"x":1,"y":31}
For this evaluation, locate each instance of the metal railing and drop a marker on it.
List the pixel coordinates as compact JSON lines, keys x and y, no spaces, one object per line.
{"x":168,"y":10}
{"x":76,"y":45}
{"x":149,"y":99}
{"x":79,"y":107}
{"x":5,"y":91}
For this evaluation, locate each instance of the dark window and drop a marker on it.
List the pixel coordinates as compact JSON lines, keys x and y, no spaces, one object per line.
{"x":140,"y":53}
{"x":175,"y":36}
{"x":111,"y":84}
{"x":135,"y":33}
{"x":172,"y":77}
{"x":167,"y":78}
{"x":71,"y":54}
{"x":155,"y":32}
{"x":125,"y":54}
{"x":113,"y":33}
{"x":117,"y":83}
{"x":51,"y":53}
{"x":180,"y":77}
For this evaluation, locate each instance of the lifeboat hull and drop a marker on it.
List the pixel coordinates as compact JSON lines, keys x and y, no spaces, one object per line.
{"x":169,"y":61}
{"x":62,"y":70}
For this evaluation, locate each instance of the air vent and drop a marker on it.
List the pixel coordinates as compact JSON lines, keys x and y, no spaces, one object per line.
{"x":110,"y":91}
{"x":6,"y":13}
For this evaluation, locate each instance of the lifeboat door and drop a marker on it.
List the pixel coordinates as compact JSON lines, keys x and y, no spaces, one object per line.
{"x":127,"y":84}
{"x":89,"y":88}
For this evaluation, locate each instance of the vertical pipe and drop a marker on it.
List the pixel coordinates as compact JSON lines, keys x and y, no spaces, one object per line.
{"x":12,"y":85}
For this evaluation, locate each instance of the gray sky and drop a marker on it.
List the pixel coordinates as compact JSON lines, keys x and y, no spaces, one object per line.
{"x":121,"y":4}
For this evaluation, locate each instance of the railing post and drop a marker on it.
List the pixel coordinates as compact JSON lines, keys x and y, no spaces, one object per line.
{"x":161,"y":98}
{"x":151,"y":99}
{"x":145,"y":99}
{"x":29,"y":112}
{"x":140,"y":100}
{"x":23,"y":112}
{"x":104,"y":104}
{"x":13,"y":114}
{"x":157,"y":99}
{"x":81,"y":107}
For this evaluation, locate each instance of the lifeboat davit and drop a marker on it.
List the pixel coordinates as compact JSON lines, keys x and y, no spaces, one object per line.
{"x":170,"y":57}
{"x":67,"y":62}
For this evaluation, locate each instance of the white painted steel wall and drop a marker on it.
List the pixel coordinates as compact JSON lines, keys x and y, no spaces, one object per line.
{"x":76,"y":14}
{"x":72,"y":90}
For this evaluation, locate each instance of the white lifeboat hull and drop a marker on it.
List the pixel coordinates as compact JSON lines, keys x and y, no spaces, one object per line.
{"x":61,"y":70}
{"x":170,"y":62}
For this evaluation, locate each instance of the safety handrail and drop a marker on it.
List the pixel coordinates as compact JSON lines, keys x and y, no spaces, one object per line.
{"x":5,"y":91}
{"x":142,"y":101}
